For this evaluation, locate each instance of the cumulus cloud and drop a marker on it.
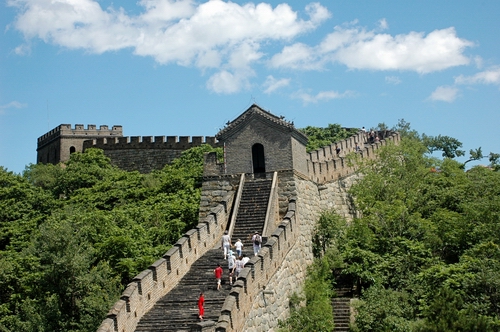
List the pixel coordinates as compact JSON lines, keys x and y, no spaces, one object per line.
{"x":228,"y":39}
{"x":272,"y":84}
{"x":489,"y":76}
{"x":322,"y":96}
{"x":444,"y":93}
{"x":358,"y":48}
{"x":12,"y":104}
{"x":213,"y":34}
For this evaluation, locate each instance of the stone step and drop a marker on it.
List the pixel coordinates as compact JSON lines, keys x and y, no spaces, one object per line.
{"x":178,"y":311}
{"x":341,"y":312}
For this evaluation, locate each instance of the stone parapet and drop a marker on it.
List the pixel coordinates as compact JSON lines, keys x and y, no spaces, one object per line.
{"x":257,"y":274}
{"x":150,"y":142}
{"x":163,"y":275}
{"x":324,"y":165}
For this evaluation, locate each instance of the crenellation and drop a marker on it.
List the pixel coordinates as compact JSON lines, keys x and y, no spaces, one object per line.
{"x":307,"y":184}
{"x":58,"y":144}
{"x":158,"y":279}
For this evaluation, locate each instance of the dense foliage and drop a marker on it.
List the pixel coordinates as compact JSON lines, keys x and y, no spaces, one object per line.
{"x":72,"y":237}
{"x":320,"y":137}
{"x":424,"y":255}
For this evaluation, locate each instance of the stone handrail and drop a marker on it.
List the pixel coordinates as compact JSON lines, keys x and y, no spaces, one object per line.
{"x":236,"y":204}
{"x":163,"y":275}
{"x":270,"y":221}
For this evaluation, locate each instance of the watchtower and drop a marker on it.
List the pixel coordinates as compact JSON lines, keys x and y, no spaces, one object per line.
{"x":58,"y":144}
{"x":258,"y":141}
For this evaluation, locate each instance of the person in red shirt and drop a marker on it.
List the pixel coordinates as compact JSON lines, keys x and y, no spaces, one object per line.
{"x":201,"y":310}
{"x":218,"y":275}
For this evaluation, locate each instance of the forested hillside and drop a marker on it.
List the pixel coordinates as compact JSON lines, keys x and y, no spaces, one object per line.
{"x":72,"y":237}
{"x":424,"y":253}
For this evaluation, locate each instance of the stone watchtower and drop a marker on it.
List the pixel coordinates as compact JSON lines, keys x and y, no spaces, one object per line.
{"x":58,"y":144}
{"x":258,"y":142}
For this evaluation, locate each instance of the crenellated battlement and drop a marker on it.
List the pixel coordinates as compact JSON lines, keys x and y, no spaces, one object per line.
{"x":79,"y":131}
{"x":326,"y":165}
{"x":164,"y":274}
{"x":150,"y":142}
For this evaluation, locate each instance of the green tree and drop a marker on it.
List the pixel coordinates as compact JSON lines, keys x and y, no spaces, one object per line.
{"x":317,"y":313}
{"x":319,"y":137}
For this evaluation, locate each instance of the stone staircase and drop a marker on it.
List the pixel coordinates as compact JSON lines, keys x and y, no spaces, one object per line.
{"x":342,"y":303}
{"x":177,"y":311}
{"x":251,"y":213}
{"x":341,"y":313}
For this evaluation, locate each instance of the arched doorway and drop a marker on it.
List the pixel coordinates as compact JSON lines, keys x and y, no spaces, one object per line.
{"x":259,"y":162}
{"x":72,"y":150}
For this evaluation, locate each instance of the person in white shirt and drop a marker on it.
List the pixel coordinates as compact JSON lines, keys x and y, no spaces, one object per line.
{"x":231,"y":262}
{"x":238,"y":245}
{"x":238,"y":267}
{"x":226,"y":243}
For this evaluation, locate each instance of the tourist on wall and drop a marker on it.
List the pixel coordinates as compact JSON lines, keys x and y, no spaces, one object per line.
{"x":218,"y":275}
{"x":238,"y":245}
{"x":201,"y":310}
{"x":226,"y":243}
{"x":256,"y":241}
{"x":231,"y":262}
{"x":238,"y":267}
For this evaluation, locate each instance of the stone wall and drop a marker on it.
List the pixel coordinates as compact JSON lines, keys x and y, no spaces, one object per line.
{"x":324,"y":165}
{"x":56,"y":145}
{"x":284,"y":268}
{"x":213,"y":190}
{"x":162,"y":276}
{"x":145,"y":154}
{"x":260,"y":297}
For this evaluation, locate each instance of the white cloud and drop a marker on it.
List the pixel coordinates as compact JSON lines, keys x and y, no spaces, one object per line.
{"x":444,"y":93}
{"x":12,"y":104}
{"x":229,"y":38}
{"x":272,"y":84}
{"x":357,"y":48}
{"x":322,"y":96}
{"x":24,"y":49}
{"x":296,"y":56}
{"x":226,"y":82}
{"x":393,"y":80}
{"x":490,"y":76}
{"x":383,"y":25}
{"x":213,"y":34}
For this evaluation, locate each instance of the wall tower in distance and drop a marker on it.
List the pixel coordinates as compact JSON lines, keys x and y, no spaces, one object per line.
{"x":58,"y":144}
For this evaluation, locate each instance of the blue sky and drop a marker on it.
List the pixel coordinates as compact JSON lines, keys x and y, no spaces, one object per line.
{"x":164,"y":67}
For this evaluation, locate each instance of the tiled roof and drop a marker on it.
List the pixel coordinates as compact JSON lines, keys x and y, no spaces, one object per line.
{"x":256,"y":110}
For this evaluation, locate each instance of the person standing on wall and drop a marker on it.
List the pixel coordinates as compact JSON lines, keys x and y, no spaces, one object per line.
{"x":201,"y":309}
{"x":231,"y":262}
{"x":226,"y":243}
{"x":256,"y":241}
{"x":218,"y":275}
{"x":238,"y":245}
{"x":238,"y":267}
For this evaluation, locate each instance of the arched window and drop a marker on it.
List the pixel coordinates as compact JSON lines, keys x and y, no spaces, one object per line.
{"x":259,"y":162}
{"x":72,"y":150}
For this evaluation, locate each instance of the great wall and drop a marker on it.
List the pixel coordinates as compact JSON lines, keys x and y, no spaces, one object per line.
{"x":258,"y":146}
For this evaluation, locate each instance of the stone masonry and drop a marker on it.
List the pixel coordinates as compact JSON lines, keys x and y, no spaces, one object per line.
{"x":304,"y":188}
